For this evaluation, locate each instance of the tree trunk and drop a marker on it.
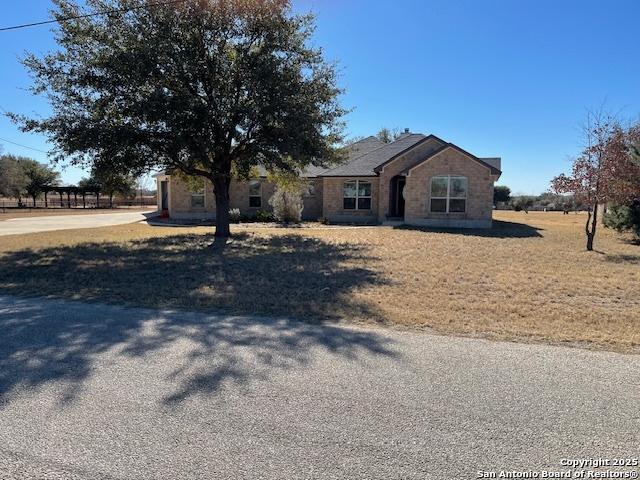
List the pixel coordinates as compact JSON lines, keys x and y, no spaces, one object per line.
{"x":590,"y":227}
{"x":221,"y":191}
{"x":111,"y":200}
{"x":34,"y":201}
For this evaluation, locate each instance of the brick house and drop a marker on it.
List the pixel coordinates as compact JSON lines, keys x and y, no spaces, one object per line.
{"x":417,"y":179}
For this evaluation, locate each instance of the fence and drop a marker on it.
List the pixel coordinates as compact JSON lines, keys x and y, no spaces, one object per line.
{"x":54,"y":202}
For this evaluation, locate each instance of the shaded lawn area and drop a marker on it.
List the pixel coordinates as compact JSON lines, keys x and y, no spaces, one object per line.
{"x":527,"y":279}
{"x":260,"y":274}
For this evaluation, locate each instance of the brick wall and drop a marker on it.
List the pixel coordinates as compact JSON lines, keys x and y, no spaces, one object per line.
{"x":403,"y":162}
{"x":333,"y":205}
{"x":479,"y":205}
{"x":180,"y":199}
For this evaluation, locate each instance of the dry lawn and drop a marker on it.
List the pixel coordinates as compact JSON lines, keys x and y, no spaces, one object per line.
{"x":528,"y":279}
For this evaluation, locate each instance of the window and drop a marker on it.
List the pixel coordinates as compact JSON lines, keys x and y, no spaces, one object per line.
{"x":448,"y":194}
{"x":255,"y":194}
{"x":356,"y":195}
{"x":310,"y":191}
{"x":197,"y":193}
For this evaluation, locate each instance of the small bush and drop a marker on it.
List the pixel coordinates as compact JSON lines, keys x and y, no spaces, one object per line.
{"x":287,"y":204}
{"x":264,"y":216}
{"x":624,"y":218}
{"x":234,"y":215}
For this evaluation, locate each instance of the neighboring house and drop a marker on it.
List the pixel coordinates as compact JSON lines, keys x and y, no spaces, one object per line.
{"x":417,"y":179}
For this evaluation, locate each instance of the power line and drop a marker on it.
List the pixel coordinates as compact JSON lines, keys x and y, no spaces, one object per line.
{"x":106,"y":12}
{"x":23,"y":146}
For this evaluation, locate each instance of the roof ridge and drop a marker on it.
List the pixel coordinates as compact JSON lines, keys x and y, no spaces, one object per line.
{"x":361,"y":155}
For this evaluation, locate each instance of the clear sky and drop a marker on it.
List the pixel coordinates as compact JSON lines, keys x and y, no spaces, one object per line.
{"x":509,"y":78}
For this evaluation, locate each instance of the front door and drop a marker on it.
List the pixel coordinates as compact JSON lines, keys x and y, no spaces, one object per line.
{"x":164,"y":195}
{"x":397,"y":196}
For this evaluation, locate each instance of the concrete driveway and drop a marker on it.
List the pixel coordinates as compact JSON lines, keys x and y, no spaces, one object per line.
{"x":93,"y":391}
{"x":17,"y":226}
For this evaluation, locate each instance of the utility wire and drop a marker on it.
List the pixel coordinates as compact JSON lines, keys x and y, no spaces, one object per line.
{"x":19,"y":144}
{"x":23,"y":146}
{"x":76,"y":17}
{"x":106,"y":12}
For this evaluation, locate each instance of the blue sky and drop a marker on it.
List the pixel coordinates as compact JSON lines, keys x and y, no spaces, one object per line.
{"x":498,"y":78}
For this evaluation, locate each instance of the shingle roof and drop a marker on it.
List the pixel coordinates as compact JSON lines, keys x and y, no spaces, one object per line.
{"x":363,"y":146}
{"x":372,"y":154}
{"x":309,"y":171}
{"x":366,"y":157}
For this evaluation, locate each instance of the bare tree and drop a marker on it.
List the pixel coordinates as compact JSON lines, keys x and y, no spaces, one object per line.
{"x":604,"y":170}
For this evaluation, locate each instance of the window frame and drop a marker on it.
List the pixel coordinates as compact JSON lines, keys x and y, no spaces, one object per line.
{"x":448,"y":196}
{"x":199,"y":194}
{"x":357,"y":195}
{"x":310,"y":191}
{"x":259,"y":196}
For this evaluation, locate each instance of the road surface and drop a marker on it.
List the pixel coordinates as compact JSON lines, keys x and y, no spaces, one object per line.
{"x":94,"y":391}
{"x":16,"y":226}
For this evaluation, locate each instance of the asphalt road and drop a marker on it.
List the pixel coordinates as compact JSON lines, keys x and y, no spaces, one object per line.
{"x":92,"y":391}
{"x":17,"y":226}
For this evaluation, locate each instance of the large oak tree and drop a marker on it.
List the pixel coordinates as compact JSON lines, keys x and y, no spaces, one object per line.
{"x":210,"y":88}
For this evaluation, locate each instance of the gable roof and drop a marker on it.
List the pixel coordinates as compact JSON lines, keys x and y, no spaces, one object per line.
{"x":363,"y":162}
{"x":363,"y":146}
{"x":490,"y":166}
{"x":424,"y":139}
{"x":367,"y":157}
{"x":353,"y":151}
{"x":310,"y":171}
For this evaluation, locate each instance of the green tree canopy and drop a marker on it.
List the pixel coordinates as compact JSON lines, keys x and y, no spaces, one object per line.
{"x":23,"y":176}
{"x":206,"y":87}
{"x":38,"y":176}
{"x":388,"y":135}
{"x":13,"y":180}
{"x":110,"y":182}
{"x":501,"y":193}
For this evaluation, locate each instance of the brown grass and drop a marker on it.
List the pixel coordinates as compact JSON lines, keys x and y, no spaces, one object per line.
{"x":528,"y":279}
{"x":50,"y":212}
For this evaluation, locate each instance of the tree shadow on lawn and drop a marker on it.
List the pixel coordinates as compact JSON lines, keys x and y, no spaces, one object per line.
{"x":500,"y":229}
{"x":287,"y":276}
{"x":622,"y":258}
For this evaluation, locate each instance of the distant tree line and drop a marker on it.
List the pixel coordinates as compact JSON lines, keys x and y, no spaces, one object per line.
{"x":547,"y":201}
{"x":110,"y":183}
{"x":23,"y":177}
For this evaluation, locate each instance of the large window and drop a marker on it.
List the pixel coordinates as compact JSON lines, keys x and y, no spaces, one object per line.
{"x":356,"y":195}
{"x":449,"y":194}
{"x":310,"y":190}
{"x":197,"y":193}
{"x":255,"y":194}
